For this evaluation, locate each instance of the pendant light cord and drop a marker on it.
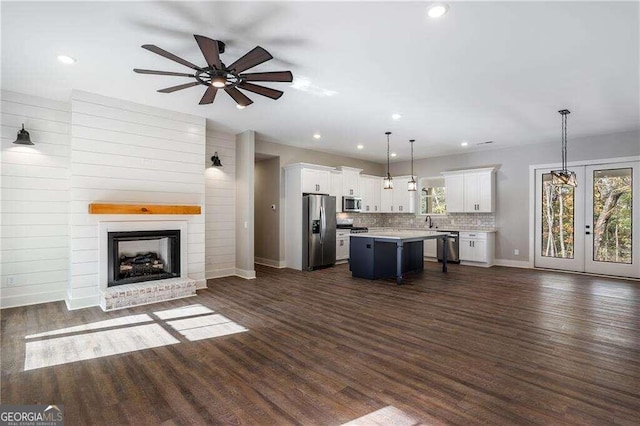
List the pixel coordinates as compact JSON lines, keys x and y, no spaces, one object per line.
{"x":411,"y":157}
{"x":388,"y":174}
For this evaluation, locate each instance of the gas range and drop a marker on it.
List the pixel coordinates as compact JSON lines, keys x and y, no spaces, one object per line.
{"x":359,"y":229}
{"x":348,"y":224}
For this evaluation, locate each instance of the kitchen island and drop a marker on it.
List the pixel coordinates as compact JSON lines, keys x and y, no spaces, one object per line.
{"x":383,"y":254}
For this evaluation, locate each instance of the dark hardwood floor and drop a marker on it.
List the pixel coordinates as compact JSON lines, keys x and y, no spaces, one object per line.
{"x":490,"y":346}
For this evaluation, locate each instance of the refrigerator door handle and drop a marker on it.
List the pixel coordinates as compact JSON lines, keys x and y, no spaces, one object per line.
{"x":323,"y":224}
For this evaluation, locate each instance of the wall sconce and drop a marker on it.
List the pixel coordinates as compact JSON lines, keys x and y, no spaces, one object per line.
{"x":23,"y":137}
{"x":216,"y":160}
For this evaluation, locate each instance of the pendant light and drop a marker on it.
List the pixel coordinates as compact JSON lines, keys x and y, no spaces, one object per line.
{"x":564,"y":177}
{"x":388,"y":181}
{"x":412,"y":185}
{"x":23,"y":137}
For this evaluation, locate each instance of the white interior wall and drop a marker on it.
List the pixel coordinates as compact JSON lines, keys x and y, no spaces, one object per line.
{"x":122,"y":152}
{"x":220,"y":191}
{"x":245,"y":162}
{"x":34,"y":182}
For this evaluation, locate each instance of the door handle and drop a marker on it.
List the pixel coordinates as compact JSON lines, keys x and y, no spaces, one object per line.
{"x":588,"y":233}
{"x":323,"y":224}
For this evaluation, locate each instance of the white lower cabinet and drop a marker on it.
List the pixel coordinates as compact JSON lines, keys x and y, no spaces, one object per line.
{"x":477,"y":247}
{"x":342,"y":245}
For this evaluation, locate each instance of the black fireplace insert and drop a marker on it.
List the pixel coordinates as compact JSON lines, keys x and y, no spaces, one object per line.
{"x":143,"y":256}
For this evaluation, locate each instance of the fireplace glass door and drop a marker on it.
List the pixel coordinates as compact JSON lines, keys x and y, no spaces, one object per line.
{"x":143,"y":256}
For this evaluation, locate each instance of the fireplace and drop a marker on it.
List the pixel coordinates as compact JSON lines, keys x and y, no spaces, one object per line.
{"x":137,"y":256}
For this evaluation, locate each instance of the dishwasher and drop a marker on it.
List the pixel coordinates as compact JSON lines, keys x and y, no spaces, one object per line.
{"x":453,"y":247}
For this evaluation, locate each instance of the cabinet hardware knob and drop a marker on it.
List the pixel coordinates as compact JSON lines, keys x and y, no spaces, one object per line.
{"x":144,"y":209}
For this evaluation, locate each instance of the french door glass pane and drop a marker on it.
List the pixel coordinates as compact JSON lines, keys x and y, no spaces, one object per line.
{"x":612,"y":212}
{"x":557,"y":219}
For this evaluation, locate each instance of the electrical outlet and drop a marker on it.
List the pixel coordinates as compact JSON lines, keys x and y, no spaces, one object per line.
{"x":12,"y":280}
{"x":516,"y":252}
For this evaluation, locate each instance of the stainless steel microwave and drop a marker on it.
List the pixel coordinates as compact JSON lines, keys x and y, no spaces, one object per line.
{"x":351,"y":204}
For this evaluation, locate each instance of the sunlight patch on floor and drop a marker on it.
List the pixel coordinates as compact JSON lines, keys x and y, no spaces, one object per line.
{"x":206,"y":327}
{"x":83,"y":342}
{"x":115,"y":322}
{"x":383,"y":417}
{"x":62,"y":350}
{"x":185,"y":311}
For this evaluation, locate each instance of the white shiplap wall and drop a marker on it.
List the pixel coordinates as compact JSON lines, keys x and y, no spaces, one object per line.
{"x":34,"y":231}
{"x":220,"y":205}
{"x":122,"y":152}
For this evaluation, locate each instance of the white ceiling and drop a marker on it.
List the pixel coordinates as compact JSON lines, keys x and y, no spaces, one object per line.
{"x":485,"y":71}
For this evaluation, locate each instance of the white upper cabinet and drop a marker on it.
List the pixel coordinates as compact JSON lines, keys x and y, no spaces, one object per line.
{"x":315,"y":181}
{"x":386,"y":200}
{"x":470,"y":191}
{"x":350,"y":182}
{"x":335,"y":188}
{"x":398,"y":199}
{"x":370,"y":187}
{"x":404,"y":201}
{"x":454,"y":187}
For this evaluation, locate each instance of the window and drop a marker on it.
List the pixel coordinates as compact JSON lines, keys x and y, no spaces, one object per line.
{"x":432,"y":196}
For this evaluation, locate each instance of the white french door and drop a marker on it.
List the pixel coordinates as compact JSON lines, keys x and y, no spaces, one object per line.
{"x":590,"y":228}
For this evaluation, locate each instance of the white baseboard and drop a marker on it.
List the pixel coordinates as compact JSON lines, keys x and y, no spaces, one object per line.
{"x":243,"y":273}
{"x":280,"y":264}
{"x":31,"y":299}
{"x":513,"y":263}
{"x":200,"y":284}
{"x":82,"y":302}
{"x":476,"y":264}
{"x":220,"y":273}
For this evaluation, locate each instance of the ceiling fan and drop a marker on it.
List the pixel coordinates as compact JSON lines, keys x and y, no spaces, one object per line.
{"x":216,"y":75}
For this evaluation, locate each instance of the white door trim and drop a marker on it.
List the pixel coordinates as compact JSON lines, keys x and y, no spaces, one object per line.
{"x":532,"y":191}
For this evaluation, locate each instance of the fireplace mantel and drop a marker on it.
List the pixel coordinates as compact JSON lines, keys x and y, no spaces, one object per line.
{"x":102,"y":208}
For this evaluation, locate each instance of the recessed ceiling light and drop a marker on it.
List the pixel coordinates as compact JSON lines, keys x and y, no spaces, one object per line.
{"x":437,"y":10}
{"x":396,"y":116}
{"x":317,"y":136}
{"x":67,"y":60}
{"x":393,"y":154}
{"x":360,"y":146}
{"x":464,"y":144}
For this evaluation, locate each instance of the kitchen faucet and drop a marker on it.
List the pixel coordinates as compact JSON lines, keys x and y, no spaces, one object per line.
{"x":428,"y":220}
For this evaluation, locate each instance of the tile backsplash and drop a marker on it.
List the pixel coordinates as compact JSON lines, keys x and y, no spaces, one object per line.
{"x":476,"y":221}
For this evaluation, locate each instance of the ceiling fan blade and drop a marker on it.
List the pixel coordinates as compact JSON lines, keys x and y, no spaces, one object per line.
{"x":210,"y":50}
{"x":155,"y":49}
{"x":261,"y":90}
{"x":238,"y":96}
{"x":177,"y":74}
{"x":180,"y":87}
{"x":284,"y":76}
{"x":209,"y":95}
{"x":254,"y":57}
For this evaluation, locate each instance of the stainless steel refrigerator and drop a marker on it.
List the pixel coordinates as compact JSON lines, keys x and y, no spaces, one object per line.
{"x":318,"y":231}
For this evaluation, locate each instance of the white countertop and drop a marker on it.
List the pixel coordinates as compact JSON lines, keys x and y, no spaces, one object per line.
{"x":448,"y":228}
{"x":401,"y":235}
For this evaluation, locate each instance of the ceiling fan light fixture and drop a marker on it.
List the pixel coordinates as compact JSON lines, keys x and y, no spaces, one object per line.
{"x":239,"y":106}
{"x":218,"y":81}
